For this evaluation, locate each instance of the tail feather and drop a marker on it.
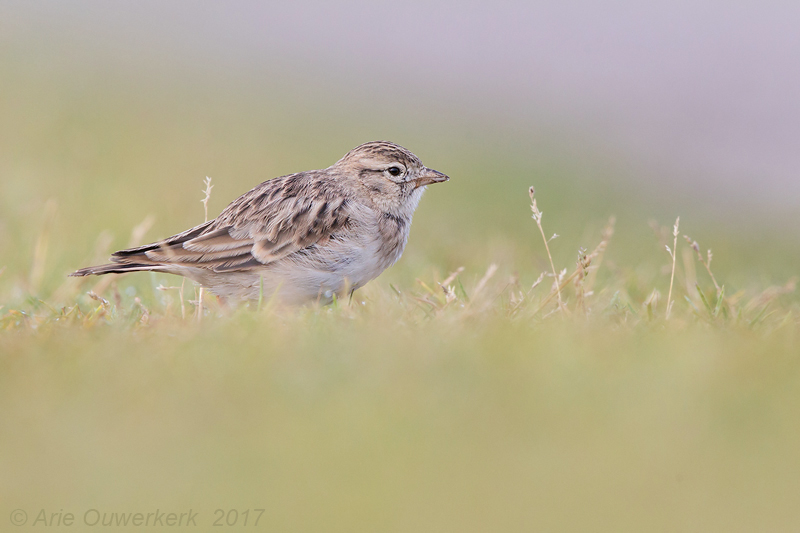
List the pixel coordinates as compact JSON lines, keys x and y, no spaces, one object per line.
{"x":115,"y":268}
{"x":136,"y":260}
{"x":178,"y":239}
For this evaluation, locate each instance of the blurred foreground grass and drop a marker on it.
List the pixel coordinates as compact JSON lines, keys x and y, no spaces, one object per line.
{"x":340,"y":422}
{"x":473,"y":406}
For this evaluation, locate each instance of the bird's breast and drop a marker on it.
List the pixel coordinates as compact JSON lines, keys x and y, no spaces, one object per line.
{"x":393,"y":234}
{"x":364,"y":252}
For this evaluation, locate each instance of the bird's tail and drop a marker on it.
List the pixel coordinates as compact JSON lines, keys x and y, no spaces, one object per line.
{"x":115,"y":268}
{"x":137,"y":260}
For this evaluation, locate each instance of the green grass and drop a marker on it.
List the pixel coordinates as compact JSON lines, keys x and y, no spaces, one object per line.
{"x":477,"y":406}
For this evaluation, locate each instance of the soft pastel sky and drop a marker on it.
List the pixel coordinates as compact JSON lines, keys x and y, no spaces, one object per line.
{"x":701,"y":91}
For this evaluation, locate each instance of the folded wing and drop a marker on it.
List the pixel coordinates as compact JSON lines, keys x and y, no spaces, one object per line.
{"x":275,"y":219}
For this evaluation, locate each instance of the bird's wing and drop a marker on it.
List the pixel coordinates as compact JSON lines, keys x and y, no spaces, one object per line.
{"x":279,"y":217}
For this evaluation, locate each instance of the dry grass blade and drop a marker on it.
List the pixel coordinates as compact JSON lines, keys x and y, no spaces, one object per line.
{"x":204,"y":201}
{"x":583,"y":263}
{"x":42,"y":244}
{"x":490,"y":272}
{"x":103,"y":301}
{"x":559,"y":286}
{"x":206,"y":197}
{"x":140,"y":230}
{"x":452,"y":277}
{"x":672,"y":253}
{"x":772,"y":293}
{"x":145,"y":318}
{"x":651,"y":303}
{"x":526,"y":297}
{"x":597,"y":255}
{"x":705,"y":260}
{"x":537,"y":216}
{"x":180,"y":295}
{"x":476,"y":293}
{"x":449,"y":292}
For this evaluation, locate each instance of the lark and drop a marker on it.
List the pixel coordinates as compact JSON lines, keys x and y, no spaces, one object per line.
{"x":305,"y":237}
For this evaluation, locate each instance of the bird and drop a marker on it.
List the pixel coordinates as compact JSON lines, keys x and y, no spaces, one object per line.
{"x":312,"y":236}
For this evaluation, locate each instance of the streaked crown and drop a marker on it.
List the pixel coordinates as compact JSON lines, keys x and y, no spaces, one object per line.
{"x":381,"y":150}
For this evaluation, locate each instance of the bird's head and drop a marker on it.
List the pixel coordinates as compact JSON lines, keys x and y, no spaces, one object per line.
{"x":391,"y":176}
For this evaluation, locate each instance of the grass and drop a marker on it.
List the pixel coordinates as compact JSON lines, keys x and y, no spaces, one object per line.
{"x":494,"y":379}
{"x":615,"y":303}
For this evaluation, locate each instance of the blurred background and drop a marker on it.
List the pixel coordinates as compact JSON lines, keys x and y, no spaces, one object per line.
{"x":113,"y":113}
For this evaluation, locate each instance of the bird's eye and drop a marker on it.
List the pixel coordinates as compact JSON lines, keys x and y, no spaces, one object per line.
{"x":394,"y":171}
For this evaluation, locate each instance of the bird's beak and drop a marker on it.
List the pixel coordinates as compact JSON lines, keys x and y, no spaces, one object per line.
{"x":428,"y":177}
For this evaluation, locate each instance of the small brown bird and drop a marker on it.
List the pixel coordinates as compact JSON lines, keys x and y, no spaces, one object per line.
{"x":306,"y":236}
